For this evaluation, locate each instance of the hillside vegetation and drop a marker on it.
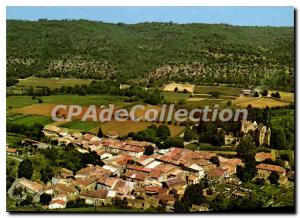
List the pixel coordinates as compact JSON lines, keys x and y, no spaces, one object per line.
{"x":152,"y":53}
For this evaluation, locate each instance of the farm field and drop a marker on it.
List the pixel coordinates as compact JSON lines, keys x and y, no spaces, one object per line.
{"x":98,"y":100}
{"x":175,"y":97}
{"x":202,"y":102}
{"x":81,"y":125}
{"x":285,"y":96}
{"x":29,"y":120}
{"x":125,"y":127}
{"x":52,"y":83}
{"x":222,"y":89}
{"x":261,"y":102}
{"x":180,"y":87}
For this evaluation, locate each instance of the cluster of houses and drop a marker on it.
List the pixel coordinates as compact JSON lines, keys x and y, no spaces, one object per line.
{"x":144,"y":180}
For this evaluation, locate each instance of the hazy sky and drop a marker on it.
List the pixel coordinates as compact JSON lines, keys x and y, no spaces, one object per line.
{"x":248,"y":16}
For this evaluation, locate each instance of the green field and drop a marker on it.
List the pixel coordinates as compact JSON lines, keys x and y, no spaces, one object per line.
{"x":211,"y":102}
{"x":81,"y":125}
{"x":175,"y":97}
{"x":222,"y":89}
{"x":28,"y":120}
{"x":52,"y":83}
{"x":21,"y":101}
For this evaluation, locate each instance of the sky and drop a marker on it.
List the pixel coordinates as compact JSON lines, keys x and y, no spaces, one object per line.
{"x":242,"y":16}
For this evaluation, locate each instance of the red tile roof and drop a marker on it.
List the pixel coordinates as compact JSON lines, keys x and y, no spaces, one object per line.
{"x":217,"y":172}
{"x":58,"y":201}
{"x":100,"y":193}
{"x":270,"y":167}
{"x":261,"y":156}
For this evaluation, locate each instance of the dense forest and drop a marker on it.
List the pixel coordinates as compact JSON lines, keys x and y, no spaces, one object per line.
{"x":152,"y":53}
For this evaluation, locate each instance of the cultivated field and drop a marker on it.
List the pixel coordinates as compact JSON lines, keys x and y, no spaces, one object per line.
{"x":261,"y":102}
{"x":28,"y":120}
{"x":52,"y":83}
{"x":98,"y":100}
{"x":231,"y":91}
{"x":123,"y":128}
{"x":175,"y":97}
{"x":81,"y":125}
{"x":180,"y":87}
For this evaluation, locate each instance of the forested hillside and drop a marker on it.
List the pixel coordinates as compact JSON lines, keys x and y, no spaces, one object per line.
{"x":152,"y":53}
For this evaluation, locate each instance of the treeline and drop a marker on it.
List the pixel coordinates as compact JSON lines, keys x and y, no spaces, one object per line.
{"x":142,"y":53}
{"x":108,"y":87}
{"x":34,"y":131}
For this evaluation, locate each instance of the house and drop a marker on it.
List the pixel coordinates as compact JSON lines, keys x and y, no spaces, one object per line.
{"x":112,"y":135}
{"x":123,"y":187}
{"x":246,"y":92}
{"x":168,"y":199}
{"x":86,"y":183}
{"x":29,"y":186}
{"x":57,"y":204}
{"x":262,"y":156}
{"x":113,"y":170}
{"x":106,"y":182}
{"x":230,"y":164}
{"x":49,"y":129}
{"x":94,"y":197}
{"x":11,"y":151}
{"x":264,"y":170}
{"x":61,"y":191}
{"x":91,"y":170}
{"x":175,"y":184}
{"x":195,"y":168}
{"x":217,"y":175}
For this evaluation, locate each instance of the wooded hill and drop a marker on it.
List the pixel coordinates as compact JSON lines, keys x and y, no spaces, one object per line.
{"x":152,"y":53}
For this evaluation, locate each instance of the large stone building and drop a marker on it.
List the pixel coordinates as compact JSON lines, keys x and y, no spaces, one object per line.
{"x":264,"y":132}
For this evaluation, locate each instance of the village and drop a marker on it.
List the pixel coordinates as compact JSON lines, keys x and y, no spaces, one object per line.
{"x":142,"y":179}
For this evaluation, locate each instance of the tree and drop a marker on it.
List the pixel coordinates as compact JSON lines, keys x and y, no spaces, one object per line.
{"x":176,"y":89}
{"x":173,"y":142}
{"x":256,"y":94}
{"x":100,"y":133}
{"x":18,"y":191}
{"x":264,"y":92}
{"x":40,"y":100}
{"x":215,"y":160}
{"x":245,"y":173}
{"x":181,"y":206}
{"x":215,"y":94}
{"x":25,"y":169}
{"x":246,"y":147}
{"x":45,"y":199}
{"x":276,"y":95}
{"x":278,"y":138}
{"x":163,"y":132}
{"x":189,"y":135}
{"x":46,"y":174}
{"x":220,"y":203}
{"x":273,"y":178}
{"x":149,"y":150}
